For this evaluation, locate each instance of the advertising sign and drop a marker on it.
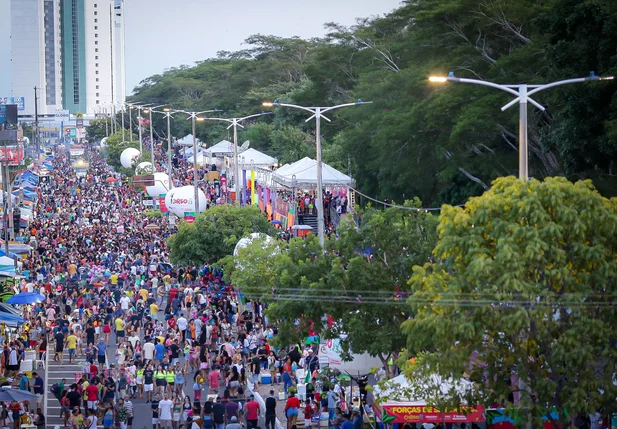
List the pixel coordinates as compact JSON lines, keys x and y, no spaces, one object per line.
{"x":162,"y":203}
{"x":425,"y":414}
{"x":13,"y":154}
{"x":20,"y":101}
{"x":62,"y":115}
{"x":189,"y":217}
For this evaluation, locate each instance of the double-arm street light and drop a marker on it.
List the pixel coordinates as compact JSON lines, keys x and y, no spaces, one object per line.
{"x":317,"y":113}
{"x":167,"y":112}
{"x":149,"y":110}
{"x":522,"y":94}
{"x":235,"y":123}
{"x":194,"y":116}
{"x":139,"y":108}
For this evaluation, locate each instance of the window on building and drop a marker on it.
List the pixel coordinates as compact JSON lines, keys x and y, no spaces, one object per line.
{"x":95,"y":12}
{"x":96,"y":34}
{"x":94,"y":4}
{"x":96,"y":20}
{"x":97,"y":87}
{"x":96,"y":42}
{"x":96,"y":27}
{"x":96,"y":64}
{"x":97,"y":79}
{"x":97,"y":94}
{"x":96,"y":57}
{"x":97,"y":72}
{"x":97,"y":101}
{"x":96,"y":49}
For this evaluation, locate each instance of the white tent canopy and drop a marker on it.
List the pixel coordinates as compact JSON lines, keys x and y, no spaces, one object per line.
{"x":223,"y":147}
{"x":187,"y":140}
{"x":305,"y":172}
{"x":253,"y":157}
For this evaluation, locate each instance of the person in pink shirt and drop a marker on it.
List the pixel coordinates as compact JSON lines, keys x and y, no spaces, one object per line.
{"x":214,"y":378}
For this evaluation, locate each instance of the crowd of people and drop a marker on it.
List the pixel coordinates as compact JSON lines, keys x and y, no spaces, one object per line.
{"x":146,"y":329}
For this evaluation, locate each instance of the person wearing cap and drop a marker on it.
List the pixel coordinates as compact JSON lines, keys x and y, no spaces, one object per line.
{"x":252,"y":412}
{"x":233,"y":423}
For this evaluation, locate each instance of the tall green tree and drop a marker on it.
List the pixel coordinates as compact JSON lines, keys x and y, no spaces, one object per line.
{"x":215,"y":233}
{"x":520,"y":298}
{"x":360,"y":280}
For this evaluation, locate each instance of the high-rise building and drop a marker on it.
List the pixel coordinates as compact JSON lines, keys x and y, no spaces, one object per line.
{"x":91,"y":52}
{"x":35,"y":54}
{"x":71,"y":50}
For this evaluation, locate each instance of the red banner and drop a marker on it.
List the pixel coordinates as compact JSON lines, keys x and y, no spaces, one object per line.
{"x":420,"y":414}
{"x":162,"y":204}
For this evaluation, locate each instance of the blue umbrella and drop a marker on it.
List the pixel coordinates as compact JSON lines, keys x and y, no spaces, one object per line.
{"x":276,"y":222}
{"x":7,"y":394}
{"x":25,"y":298}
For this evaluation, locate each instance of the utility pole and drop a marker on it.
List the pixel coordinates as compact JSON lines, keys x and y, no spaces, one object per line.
{"x":36,"y":126}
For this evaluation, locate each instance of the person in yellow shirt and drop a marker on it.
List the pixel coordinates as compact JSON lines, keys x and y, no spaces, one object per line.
{"x":71,"y":343}
{"x":119,"y":330}
{"x":113,"y":279}
{"x":153,"y":309}
{"x":72,"y":269}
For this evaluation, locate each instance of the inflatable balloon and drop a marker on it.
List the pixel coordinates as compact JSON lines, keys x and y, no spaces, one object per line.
{"x":143,"y":168}
{"x":161,"y":185}
{"x":181,"y":200}
{"x":245,"y":241}
{"x":129,"y":157}
{"x":103,"y":142}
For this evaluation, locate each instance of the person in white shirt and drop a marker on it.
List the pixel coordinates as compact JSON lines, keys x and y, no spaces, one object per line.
{"x":165,"y":407}
{"x":124,"y":303}
{"x":149,"y":351}
{"x":182,"y":325}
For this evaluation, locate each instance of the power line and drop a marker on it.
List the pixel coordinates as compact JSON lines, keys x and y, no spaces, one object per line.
{"x":417,"y":209}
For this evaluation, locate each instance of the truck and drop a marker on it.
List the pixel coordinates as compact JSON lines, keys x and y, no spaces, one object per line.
{"x":81,"y":167}
{"x":77,"y":151}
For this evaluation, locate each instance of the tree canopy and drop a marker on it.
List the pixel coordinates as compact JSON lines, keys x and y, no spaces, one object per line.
{"x":441,"y":143}
{"x":359,"y":280}
{"x":215,"y":233}
{"x":520,"y":298}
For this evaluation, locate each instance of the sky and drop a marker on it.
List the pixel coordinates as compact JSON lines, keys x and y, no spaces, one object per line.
{"x":161,"y":34}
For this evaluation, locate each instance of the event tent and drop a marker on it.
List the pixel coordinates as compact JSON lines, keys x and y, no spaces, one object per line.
{"x":187,"y":141}
{"x":253,"y":157}
{"x":305,"y":172}
{"x":7,"y":266}
{"x":224,"y":148}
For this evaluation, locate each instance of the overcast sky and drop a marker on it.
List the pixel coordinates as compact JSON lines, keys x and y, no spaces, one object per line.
{"x":161,"y":34}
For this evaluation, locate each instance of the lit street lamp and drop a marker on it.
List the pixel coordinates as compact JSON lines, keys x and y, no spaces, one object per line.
{"x":193,"y":116}
{"x":522,"y":94}
{"x":317,"y":113}
{"x":235,"y":123}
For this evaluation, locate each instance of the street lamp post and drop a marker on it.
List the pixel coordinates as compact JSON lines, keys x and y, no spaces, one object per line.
{"x":317,"y":113}
{"x":522,"y":94}
{"x":235,"y":123}
{"x":193,"y":116}
{"x":139,"y":108}
{"x":123,"y":105}
{"x":152,"y":136}
{"x":167,"y":112}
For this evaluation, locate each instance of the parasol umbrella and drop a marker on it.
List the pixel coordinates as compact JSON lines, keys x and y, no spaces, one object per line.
{"x":7,"y":394}
{"x":276,"y":222}
{"x":111,"y":180}
{"x":25,"y":298}
{"x":151,"y":226}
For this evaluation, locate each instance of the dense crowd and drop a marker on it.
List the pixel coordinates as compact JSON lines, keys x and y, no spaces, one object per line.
{"x":145,"y":328}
